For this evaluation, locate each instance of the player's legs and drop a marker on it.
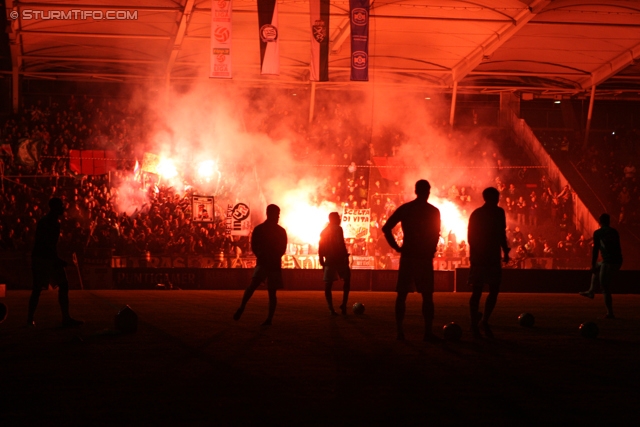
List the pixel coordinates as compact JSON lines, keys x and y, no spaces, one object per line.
{"x":606,"y":274}
{"x":329,"y":277}
{"x":328,"y":284}
{"x":474,"y":304}
{"x":41,"y":270}
{"x":274,"y":282}
{"x":256,"y":280}
{"x":346,"y":276}
{"x":492,"y":299}
{"x":424,"y":280}
{"x":401,"y":306}
{"x":273,"y":302}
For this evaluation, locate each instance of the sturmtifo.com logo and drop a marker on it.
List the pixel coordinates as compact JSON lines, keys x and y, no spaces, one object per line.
{"x":75,"y":14}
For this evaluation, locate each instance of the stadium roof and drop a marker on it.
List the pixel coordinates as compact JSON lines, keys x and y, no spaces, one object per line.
{"x":549,"y":48}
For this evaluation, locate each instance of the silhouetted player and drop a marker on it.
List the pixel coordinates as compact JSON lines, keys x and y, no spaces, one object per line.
{"x":487,"y":237}
{"x":268,"y":243}
{"x":334,"y":258}
{"x":606,"y":240}
{"x":47,"y":267}
{"x":420,"y":223}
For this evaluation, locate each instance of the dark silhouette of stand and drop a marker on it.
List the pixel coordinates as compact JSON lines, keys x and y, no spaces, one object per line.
{"x":268,"y":243}
{"x":487,"y":238}
{"x":334,"y":259}
{"x":606,"y":242}
{"x":420,"y":222}
{"x":47,"y":267}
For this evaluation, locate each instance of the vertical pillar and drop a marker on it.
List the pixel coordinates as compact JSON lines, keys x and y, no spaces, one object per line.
{"x":454,"y":95}
{"x":312,"y":101}
{"x":589,"y":115}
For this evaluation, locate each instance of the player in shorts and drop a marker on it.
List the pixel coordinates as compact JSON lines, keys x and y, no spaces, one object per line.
{"x":268,"y":243}
{"x":606,"y":240}
{"x":334,"y":259}
{"x":47,"y":267}
{"x":420,"y":223}
{"x":487,"y":237}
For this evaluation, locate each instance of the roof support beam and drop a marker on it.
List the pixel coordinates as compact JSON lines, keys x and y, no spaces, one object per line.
{"x":177,"y":42}
{"x":15,"y":47}
{"x":58,"y":6}
{"x":96,"y":35}
{"x":88,"y":59}
{"x":612,"y":67}
{"x":507,"y":31}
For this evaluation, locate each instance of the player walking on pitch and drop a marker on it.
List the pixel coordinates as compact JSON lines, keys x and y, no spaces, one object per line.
{"x":420,"y":222}
{"x":334,"y":259}
{"x":606,"y":240}
{"x":46,"y":265}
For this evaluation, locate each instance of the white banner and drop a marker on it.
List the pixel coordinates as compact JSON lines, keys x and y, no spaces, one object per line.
{"x":220,"y":39}
{"x":238,"y":219}
{"x":355,"y":223}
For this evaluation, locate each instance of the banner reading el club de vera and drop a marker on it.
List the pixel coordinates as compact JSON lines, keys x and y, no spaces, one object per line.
{"x":238,"y":219}
{"x":355,"y":223}
{"x":319,"y":66}
{"x":269,"y":37}
{"x":359,"y":13}
{"x":220,"y":63}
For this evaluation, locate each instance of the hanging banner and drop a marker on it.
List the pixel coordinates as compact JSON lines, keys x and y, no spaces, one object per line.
{"x":319,"y":67}
{"x":269,"y":43}
{"x":355,"y":223}
{"x":28,"y":152}
{"x":92,"y":162}
{"x":238,"y":220}
{"x":202,"y":209}
{"x":220,"y":39}
{"x":150,"y":163}
{"x":359,"y":12}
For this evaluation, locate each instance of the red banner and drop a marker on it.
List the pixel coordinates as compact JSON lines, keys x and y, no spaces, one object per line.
{"x":92,"y":162}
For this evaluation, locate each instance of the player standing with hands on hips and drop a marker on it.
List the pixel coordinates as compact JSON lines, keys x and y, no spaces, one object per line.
{"x":334,"y":259}
{"x":420,"y":222}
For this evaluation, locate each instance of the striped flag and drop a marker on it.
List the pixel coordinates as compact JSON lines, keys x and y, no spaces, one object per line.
{"x":269,"y":37}
{"x":319,"y":67}
{"x":359,"y":12}
{"x":220,"y":61}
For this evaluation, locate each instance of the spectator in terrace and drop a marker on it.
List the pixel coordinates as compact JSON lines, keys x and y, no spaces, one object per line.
{"x":629,"y":172}
{"x":521,"y":210}
{"x":533,"y":210}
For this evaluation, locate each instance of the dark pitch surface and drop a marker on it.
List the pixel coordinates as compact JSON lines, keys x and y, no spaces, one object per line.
{"x":191,"y":364}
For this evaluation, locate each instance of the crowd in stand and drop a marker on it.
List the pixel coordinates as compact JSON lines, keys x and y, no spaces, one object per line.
{"x":609,"y":165}
{"x":538,"y":215}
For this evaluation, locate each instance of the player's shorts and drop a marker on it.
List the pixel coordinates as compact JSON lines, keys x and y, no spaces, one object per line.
{"x":273,"y":277}
{"x":333,"y":272}
{"x":418,"y":272}
{"x":45,"y":272}
{"x":481,"y":273}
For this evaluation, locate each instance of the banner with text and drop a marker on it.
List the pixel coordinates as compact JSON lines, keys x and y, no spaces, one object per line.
{"x":356,"y":223}
{"x":238,"y":219}
{"x":269,"y":37}
{"x":319,"y":67}
{"x":359,"y":12}
{"x":220,"y":64}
